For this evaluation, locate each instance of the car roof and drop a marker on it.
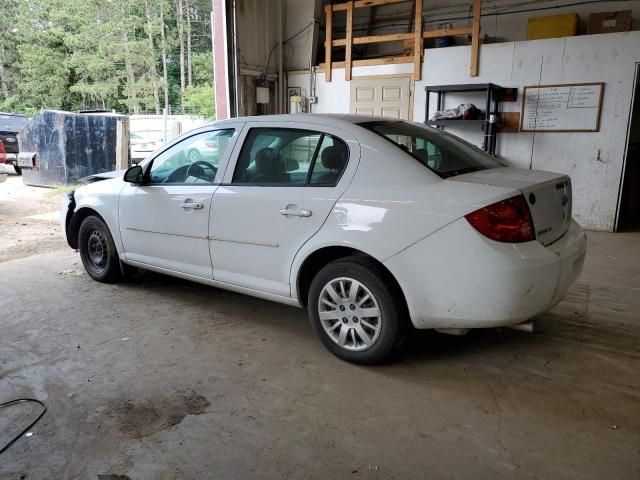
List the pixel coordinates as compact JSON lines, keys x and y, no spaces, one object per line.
{"x":337,"y":119}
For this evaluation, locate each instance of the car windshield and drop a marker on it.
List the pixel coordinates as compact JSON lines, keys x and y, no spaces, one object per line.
{"x":442,"y":153}
{"x":12,"y":123}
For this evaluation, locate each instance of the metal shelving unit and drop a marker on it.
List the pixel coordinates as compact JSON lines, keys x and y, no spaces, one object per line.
{"x":488,"y":123}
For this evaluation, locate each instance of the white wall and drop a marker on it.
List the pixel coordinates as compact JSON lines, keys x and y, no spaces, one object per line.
{"x":513,"y":26}
{"x":299,"y":14}
{"x":334,"y":97}
{"x":594,"y":160}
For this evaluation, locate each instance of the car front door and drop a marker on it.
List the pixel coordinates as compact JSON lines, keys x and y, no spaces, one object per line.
{"x":165,"y":222}
{"x":277,"y":191}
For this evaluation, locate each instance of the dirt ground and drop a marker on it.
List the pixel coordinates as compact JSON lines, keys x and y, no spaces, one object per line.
{"x":165,"y":379}
{"x":29,"y":222}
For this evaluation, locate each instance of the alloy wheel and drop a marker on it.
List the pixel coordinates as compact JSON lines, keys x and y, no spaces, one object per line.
{"x":349,"y":314}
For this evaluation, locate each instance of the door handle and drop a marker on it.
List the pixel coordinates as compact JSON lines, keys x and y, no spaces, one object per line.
{"x":295,"y":212}
{"x":195,"y":205}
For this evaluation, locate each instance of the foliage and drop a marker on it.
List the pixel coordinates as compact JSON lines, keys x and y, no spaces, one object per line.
{"x":198,"y":100}
{"x":106,"y":54}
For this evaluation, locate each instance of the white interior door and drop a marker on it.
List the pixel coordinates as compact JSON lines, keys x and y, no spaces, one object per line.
{"x":381,"y":97}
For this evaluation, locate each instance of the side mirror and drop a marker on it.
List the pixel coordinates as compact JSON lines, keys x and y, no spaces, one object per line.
{"x":134,"y":175}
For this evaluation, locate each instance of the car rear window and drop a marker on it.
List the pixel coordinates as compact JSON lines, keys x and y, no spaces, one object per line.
{"x":12,"y":123}
{"x":442,"y":153}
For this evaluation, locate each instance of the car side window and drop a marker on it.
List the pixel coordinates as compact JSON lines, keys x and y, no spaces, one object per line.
{"x":195,"y":160}
{"x":331,"y":161}
{"x":284,"y":156}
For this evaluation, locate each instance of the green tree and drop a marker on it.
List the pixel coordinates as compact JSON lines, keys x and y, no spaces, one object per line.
{"x":199,"y":100}
{"x":113,"y":54}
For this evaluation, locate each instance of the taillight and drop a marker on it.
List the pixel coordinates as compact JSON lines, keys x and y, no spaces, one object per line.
{"x":505,"y":221}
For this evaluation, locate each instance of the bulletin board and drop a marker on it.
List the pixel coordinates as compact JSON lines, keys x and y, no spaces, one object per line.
{"x":562,"y":108}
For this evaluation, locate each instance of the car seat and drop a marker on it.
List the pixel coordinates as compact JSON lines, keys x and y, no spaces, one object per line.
{"x":269,"y":167}
{"x":334,"y":159}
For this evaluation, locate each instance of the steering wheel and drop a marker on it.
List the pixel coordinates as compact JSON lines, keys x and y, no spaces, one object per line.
{"x":196,"y":170}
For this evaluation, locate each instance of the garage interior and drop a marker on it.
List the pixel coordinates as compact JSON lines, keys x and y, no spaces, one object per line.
{"x":160,"y":378}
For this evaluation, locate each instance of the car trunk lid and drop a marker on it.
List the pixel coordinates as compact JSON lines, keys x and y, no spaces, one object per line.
{"x":548,"y":195}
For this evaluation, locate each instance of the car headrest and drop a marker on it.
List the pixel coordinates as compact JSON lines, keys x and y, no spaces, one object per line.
{"x":334,"y":157}
{"x":268,"y":161}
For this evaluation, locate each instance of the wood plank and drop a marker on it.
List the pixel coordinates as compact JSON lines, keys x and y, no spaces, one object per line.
{"x":447,"y":32}
{"x":329,"y":36}
{"x":417,"y":47}
{"x":348,"y":46}
{"x":475,"y":38}
{"x":372,"y":3}
{"x":366,"y":4}
{"x":122,"y":144}
{"x":392,"y":37}
{"x":373,"y":61}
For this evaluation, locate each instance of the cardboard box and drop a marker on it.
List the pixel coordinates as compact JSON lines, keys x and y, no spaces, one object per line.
{"x":553,"y":26}
{"x":608,"y":22}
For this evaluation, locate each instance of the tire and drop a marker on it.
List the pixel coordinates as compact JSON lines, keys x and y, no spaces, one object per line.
{"x":97,"y":250}
{"x":17,"y":169}
{"x":374,"y":292}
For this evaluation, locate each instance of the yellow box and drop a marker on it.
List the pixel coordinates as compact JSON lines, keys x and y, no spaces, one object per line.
{"x":553,"y":26}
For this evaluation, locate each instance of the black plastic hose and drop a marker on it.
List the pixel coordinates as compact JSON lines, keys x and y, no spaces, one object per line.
{"x":21,"y":400}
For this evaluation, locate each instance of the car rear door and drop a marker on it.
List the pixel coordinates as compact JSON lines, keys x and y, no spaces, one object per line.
{"x":279,"y":187}
{"x":165,"y":222}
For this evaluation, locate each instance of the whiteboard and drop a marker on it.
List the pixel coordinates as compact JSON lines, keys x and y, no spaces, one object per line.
{"x":562,"y":108}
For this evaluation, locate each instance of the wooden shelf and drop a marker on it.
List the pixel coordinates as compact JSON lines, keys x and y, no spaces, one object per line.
{"x":418,"y":35}
{"x":443,"y":123}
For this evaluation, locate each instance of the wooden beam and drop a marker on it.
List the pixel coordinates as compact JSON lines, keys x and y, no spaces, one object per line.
{"x":328,"y":29}
{"x":348,"y":45}
{"x":392,"y":37}
{"x":475,"y":38}
{"x":447,"y":32}
{"x":365,"y":4}
{"x":417,"y":47}
{"x":368,"y":62}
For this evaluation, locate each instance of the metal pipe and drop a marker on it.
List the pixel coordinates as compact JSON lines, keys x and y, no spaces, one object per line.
{"x":281,"y":103}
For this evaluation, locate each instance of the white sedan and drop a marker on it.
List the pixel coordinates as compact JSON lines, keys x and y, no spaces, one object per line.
{"x":371,"y":224}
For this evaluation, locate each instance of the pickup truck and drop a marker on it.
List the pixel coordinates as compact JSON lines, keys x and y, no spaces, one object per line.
{"x":10,"y":126}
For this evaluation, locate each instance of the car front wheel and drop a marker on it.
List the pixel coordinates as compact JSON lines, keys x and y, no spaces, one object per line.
{"x":98,"y":251}
{"x":356,"y":310}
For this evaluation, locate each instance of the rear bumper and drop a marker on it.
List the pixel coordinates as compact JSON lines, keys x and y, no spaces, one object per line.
{"x":457,"y":278}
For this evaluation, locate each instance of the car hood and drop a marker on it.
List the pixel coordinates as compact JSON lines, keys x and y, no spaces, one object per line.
{"x":102,"y":176}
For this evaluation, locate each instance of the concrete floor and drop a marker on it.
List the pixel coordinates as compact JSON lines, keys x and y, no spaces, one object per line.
{"x":164,"y":379}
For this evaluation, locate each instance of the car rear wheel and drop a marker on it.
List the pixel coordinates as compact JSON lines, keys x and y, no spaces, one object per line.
{"x":355,"y":311}
{"x":97,"y":250}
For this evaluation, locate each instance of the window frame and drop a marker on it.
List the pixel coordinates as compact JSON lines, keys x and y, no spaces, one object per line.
{"x":312,"y":163}
{"x":223,"y":162}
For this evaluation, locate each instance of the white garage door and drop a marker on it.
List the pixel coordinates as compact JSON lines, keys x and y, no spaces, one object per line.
{"x":381,"y":97}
